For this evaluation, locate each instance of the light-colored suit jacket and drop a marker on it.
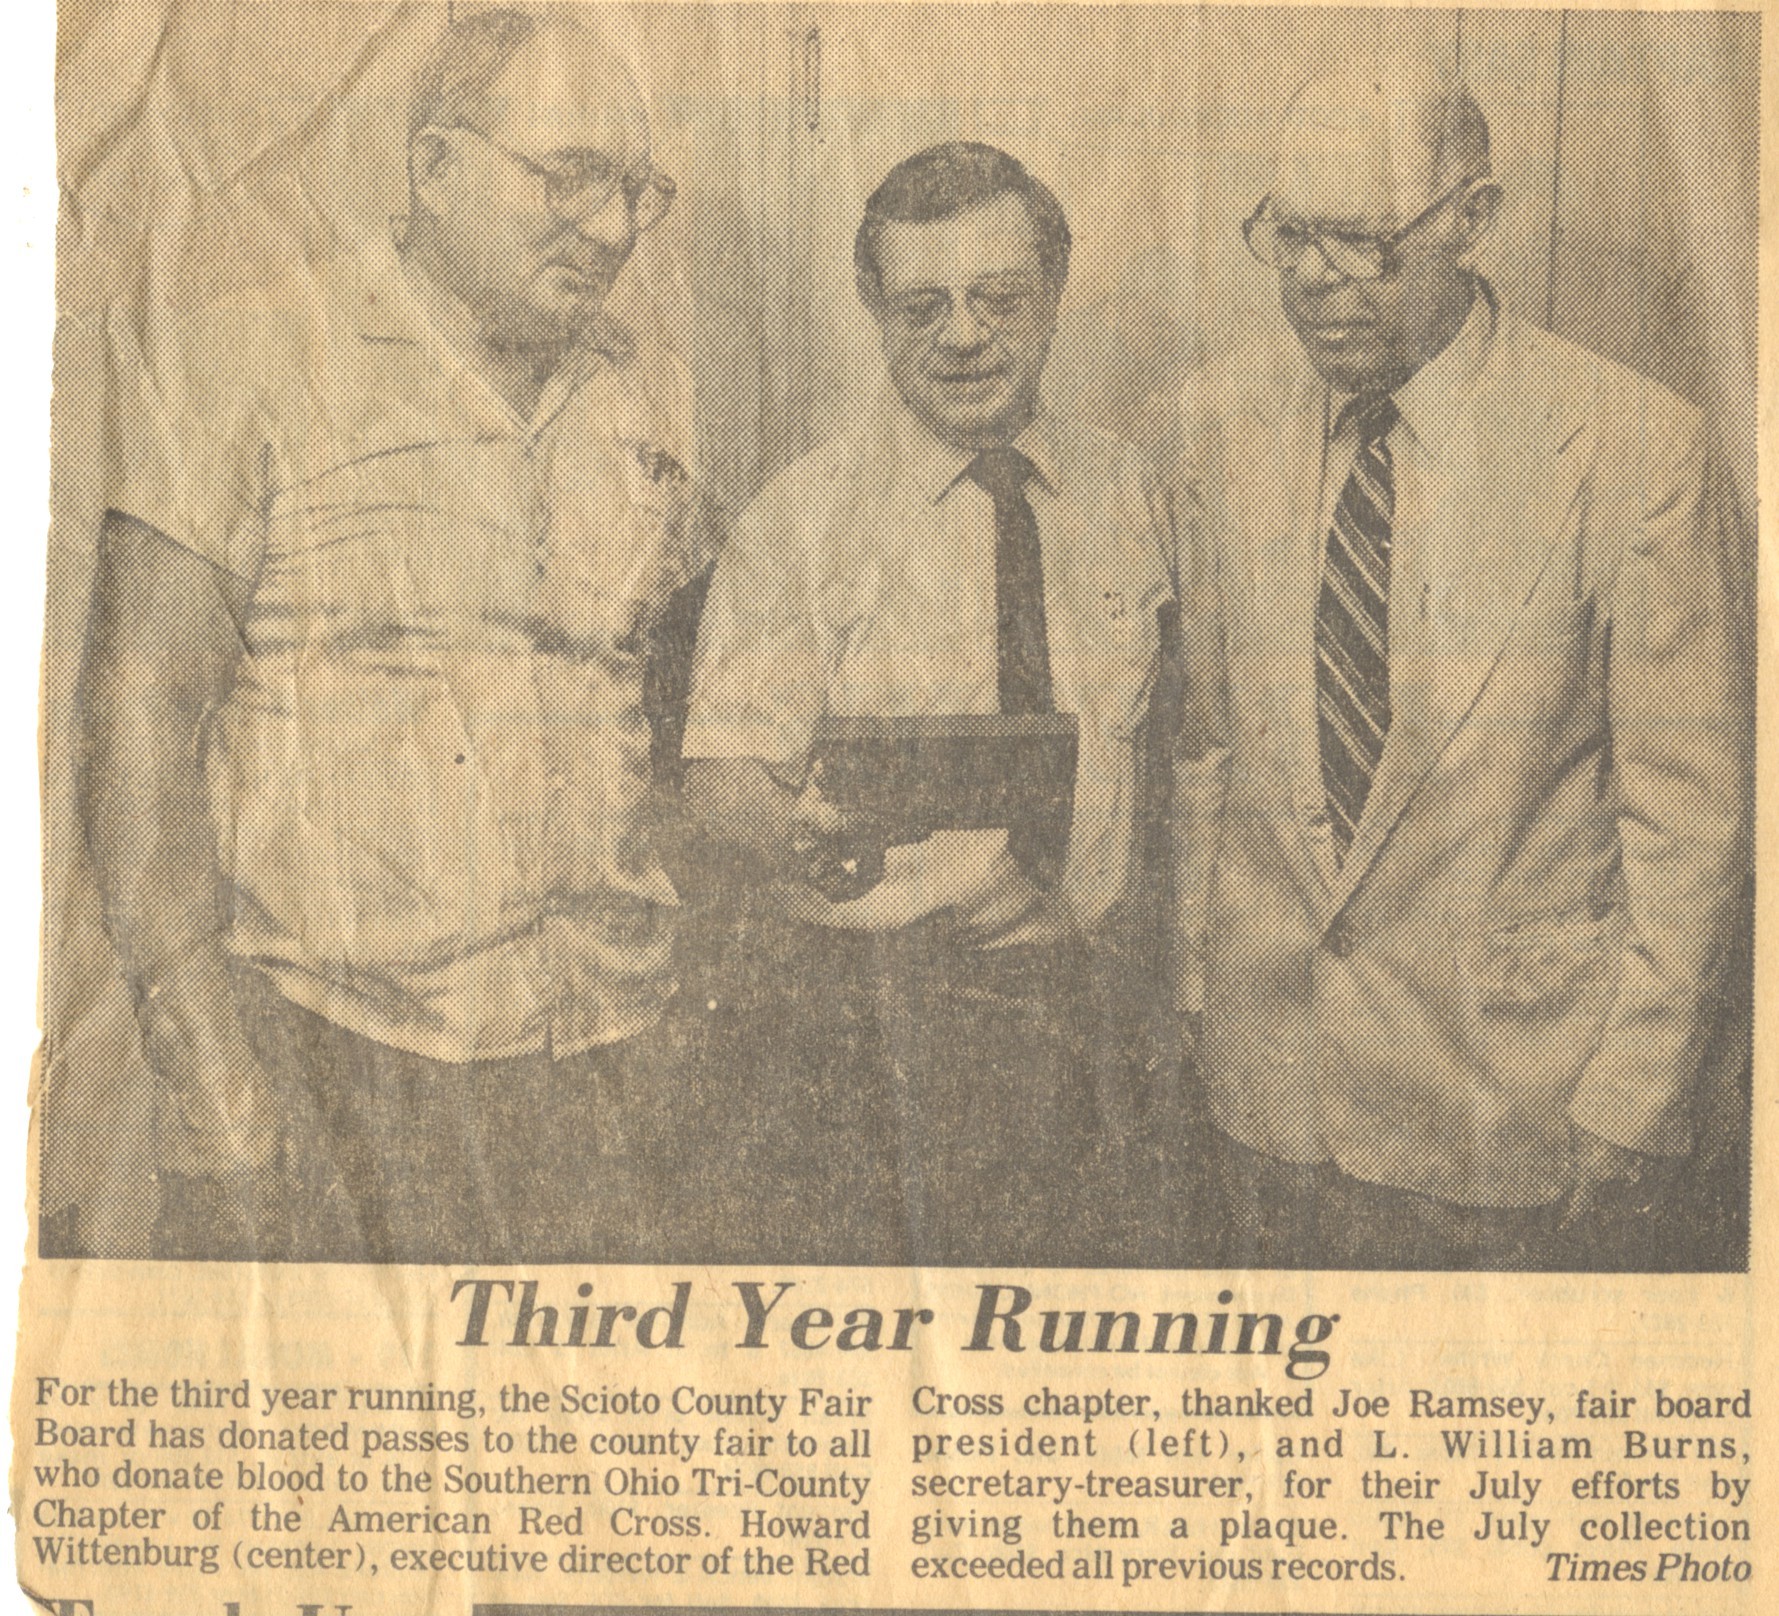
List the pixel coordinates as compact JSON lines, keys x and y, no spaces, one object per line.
{"x":1530,"y":926}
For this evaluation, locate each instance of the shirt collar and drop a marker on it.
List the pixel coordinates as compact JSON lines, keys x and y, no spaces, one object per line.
{"x":935,"y":467}
{"x":1433,"y":402}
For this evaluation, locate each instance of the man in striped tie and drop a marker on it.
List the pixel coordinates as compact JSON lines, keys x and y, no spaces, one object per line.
{"x":1465,"y":833}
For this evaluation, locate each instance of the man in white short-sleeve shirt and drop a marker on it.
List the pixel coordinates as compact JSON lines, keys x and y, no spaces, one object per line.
{"x":383,"y":614}
{"x":962,"y":551}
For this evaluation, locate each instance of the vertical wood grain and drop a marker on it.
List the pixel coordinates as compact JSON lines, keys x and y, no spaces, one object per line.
{"x":1513,"y":64}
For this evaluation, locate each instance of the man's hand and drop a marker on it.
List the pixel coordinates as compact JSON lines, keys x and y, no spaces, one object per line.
{"x":218,"y":1139}
{"x":217,"y":1105}
{"x":1609,"y":1176}
{"x":837,"y":851}
{"x":161,"y":651}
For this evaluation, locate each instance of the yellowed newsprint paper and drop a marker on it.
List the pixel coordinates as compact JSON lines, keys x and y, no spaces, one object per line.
{"x":886,"y":807}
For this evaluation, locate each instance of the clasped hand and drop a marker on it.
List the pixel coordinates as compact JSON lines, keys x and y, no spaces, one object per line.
{"x":838,"y":851}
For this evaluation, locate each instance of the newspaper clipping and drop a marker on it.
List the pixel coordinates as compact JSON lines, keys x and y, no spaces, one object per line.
{"x":900,"y":807}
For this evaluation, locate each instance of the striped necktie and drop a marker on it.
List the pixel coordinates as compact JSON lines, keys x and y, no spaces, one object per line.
{"x":1353,"y":624}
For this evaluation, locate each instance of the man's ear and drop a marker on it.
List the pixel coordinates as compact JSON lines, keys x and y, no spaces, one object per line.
{"x":870,"y":292}
{"x":432,"y":153}
{"x":1482,"y":207}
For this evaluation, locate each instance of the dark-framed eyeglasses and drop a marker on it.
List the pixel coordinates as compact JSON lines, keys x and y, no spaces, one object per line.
{"x":1280,"y":242}
{"x":586,"y":184}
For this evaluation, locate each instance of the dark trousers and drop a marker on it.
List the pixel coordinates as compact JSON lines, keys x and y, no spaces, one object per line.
{"x":391,"y":1157}
{"x":1277,"y":1214}
{"x":899,"y":1098}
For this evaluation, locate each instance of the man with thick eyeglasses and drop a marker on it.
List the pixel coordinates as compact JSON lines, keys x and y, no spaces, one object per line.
{"x":394,"y":610}
{"x":1466,"y":825}
{"x":940,"y":1072}
{"x":588,"y":182}
{"x":1281,"y":242}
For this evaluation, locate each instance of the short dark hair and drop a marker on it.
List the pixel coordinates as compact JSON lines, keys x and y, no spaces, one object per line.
{"x":950,"y":179}
{"x":454,"y":81}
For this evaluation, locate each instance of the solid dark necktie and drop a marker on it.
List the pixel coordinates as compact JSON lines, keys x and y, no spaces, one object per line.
{"x":1022,"y":639}
{"x":1022,"y":636}
{"x":1353,"y":625}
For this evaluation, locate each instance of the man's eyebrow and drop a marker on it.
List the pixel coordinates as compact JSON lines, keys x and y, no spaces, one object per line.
{"x":578,"y":154}
{"x":981,"y":277}
{"x":1336,"y":224}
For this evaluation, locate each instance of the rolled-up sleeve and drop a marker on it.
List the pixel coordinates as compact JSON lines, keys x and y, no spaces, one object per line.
{"x":188,"y":448}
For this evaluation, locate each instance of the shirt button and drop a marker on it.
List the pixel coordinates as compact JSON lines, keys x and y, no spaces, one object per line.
{"x":1340,"y":941}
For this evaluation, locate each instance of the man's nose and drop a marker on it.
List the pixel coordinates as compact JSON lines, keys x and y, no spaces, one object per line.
{"x":609,"y":221}
{"x":963,"y":329}
{"x":1314,"y":271}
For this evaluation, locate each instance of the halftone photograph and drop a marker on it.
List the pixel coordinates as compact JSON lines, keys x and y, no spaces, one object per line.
{"x":1072,"y":637}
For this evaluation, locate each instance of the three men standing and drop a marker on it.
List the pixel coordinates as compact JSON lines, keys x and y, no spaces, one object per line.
{"x":383,"y":695}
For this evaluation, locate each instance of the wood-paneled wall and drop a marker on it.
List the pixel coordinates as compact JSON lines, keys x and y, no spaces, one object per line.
{"x":1627,"y":147}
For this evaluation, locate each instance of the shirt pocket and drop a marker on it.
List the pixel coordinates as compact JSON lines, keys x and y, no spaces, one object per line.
{"x":1107,"y":658}
{"x":615,"y":555}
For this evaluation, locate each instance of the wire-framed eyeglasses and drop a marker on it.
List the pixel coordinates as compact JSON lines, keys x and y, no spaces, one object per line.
{"x":1280,"y":242}
{"x":995,"y":306}
{"x":586,"y":184}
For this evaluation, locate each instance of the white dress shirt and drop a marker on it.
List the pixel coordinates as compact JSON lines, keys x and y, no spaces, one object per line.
{"x":862,"y":582}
